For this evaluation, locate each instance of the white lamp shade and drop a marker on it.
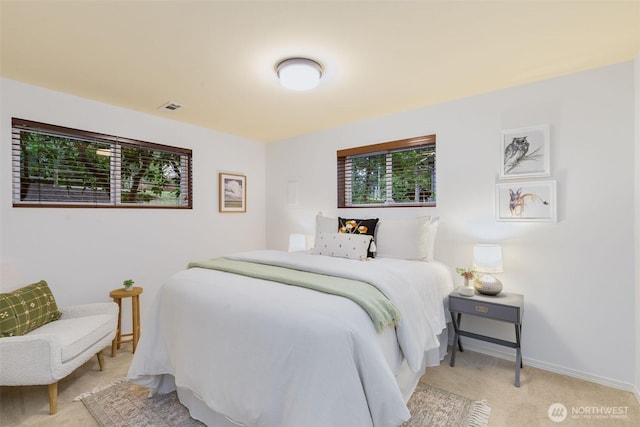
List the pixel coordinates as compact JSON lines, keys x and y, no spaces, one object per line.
{"x":299,"y":73}
{"x":297,"y":242}
{"x":487,"y":258}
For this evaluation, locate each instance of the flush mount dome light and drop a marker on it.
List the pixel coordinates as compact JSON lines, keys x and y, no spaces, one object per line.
{"x":299,"y":73}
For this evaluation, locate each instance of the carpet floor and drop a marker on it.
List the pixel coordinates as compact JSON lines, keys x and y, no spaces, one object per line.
{"x":475,"y":376}
{"x":124,"y":404}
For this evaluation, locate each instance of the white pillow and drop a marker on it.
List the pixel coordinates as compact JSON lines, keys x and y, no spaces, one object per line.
{"x":325,"y":224}
{"x":343,"y":245}
{"x":412,"y":239}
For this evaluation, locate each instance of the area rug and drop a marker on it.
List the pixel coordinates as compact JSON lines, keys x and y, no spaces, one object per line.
{"x":434,"y":407}
{"x":124,"y":404}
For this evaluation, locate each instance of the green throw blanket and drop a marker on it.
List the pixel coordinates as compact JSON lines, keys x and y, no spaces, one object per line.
{"x":380,"y":309}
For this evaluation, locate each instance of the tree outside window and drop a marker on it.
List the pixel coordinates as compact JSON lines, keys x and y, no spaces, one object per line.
{"x":398,"y":173}
{"x":56,"y":166}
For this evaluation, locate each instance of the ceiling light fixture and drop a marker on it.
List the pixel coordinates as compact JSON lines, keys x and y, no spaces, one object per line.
{"x":299,"y":73}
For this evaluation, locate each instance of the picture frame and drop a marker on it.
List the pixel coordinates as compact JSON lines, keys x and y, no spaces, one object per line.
{"x":525,"y":152}
{"x":233,"y":192}
{"x":526,"y":201}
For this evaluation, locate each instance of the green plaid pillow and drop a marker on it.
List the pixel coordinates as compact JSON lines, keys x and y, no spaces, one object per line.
{"x":27,"y":308}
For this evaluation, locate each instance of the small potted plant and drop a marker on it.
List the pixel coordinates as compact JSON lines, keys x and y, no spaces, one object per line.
{"x":467,"y":274}
{"x":128,"y":285}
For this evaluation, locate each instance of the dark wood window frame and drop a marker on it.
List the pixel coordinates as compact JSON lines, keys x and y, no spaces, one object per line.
{"x":344,"y":179}
{"x":113,"y":148}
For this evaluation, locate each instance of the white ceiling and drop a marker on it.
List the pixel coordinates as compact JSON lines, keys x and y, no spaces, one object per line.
{"x":217,"y":58}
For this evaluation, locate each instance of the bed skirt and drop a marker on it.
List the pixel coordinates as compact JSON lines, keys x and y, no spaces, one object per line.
{"x":407,"y":380}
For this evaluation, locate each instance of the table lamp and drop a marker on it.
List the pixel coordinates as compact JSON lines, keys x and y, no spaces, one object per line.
{"x":297,"y":242}
{"x":487,"y":259}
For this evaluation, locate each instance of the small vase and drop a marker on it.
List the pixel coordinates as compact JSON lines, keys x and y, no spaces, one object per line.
{"x":128,"y":288}
{"x":466,"y":290}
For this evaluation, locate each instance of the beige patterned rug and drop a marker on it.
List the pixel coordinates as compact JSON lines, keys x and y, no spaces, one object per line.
{"x":124,"y":404}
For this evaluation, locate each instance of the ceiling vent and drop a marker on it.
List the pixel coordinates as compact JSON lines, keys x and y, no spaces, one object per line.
{"x":171,"y":106}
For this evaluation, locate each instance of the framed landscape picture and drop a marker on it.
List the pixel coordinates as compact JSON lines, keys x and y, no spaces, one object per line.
{"x":233,"y":192}
{"x":526,"y":201}
{"x":524,"y":152}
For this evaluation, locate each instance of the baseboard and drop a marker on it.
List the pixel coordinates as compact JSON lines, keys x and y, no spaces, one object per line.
{"x":505,"y":354}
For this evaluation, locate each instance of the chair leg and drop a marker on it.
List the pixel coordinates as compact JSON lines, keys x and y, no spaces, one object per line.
{"x":100,"y":360}
{"x":53,"y":398}
{"x":53,"y":387}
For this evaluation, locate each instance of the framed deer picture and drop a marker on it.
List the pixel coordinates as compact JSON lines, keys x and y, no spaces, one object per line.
{"x":524,"y":152}
{"x":526,"y":201}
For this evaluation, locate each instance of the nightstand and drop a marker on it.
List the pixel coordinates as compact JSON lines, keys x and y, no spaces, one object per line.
{"x":504,"y":307}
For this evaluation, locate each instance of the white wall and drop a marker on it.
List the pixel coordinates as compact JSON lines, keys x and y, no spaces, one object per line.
{"x":637,"y":224}
{"x":577,"y":275}
{"x":85,"y":253}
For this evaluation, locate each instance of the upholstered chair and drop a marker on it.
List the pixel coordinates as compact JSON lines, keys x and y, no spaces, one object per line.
{"x":50,"y":352}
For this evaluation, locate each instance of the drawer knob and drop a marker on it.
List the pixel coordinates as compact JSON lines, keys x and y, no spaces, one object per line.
{"x":482,"y":309}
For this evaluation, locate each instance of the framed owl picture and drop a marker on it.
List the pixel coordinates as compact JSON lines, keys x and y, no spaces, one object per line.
{"x":524,"y":152}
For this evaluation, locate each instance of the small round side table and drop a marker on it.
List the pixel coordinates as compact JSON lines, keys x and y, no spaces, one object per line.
{"x":117,"y":295}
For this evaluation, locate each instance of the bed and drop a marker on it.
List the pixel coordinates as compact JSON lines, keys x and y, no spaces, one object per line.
{"x":242,"y":349}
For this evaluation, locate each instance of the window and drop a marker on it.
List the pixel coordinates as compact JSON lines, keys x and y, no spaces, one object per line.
{"x":54,"y":166}
{"x":391,"y":174}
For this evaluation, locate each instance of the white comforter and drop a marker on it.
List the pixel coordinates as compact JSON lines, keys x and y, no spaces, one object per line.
{"x":271,"y":355}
